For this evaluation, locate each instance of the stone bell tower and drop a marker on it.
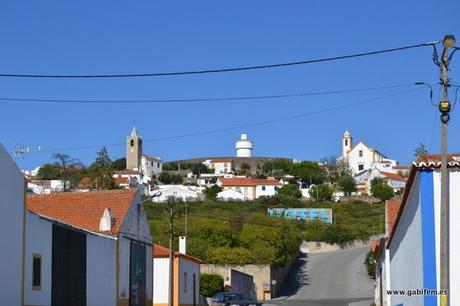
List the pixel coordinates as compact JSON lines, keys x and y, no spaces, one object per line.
{"x":133,"y":151}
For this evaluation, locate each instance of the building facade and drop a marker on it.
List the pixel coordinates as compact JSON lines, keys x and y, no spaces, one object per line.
{"x":250,"y":188}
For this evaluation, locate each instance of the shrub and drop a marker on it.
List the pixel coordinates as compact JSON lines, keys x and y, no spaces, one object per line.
{"x":347,"y":184}
{"x":210,"y":284}
{"x":382,"y":191}
{"x":321,"y":192}
{"x":370,"y":264}
{"x":290,"y":190}
{"x":211,"y":192}
{"x":229,"y":256}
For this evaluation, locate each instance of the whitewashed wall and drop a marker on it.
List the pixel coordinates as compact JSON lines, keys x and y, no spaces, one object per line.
{"x":160,"y":280}
{"x":100,"y":270}
{"x":186,"y":281}
{"x":11,"y":227}
{"x":268,"y":192}
{"x":39,"y":234}
{"x":406,"y":256}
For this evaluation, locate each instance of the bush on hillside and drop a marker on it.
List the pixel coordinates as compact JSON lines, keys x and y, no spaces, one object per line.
{"x":290,"y":190}
{"x":210,"y":284}
{"x":321,"y":192}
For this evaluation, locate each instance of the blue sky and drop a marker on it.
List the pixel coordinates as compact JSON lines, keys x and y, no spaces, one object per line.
{"x":86,"y":37}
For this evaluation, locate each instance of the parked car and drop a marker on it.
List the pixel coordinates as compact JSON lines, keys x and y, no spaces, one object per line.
{"x":232,"y":299}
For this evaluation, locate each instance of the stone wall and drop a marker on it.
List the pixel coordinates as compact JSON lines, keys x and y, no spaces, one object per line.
{"x":321,"y":246}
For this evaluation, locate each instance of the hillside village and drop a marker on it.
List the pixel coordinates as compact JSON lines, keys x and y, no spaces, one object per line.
{"x":241,"y":177}
{"x":111,"y":197}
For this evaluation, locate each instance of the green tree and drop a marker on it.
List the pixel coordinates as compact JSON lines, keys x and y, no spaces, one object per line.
{"x":321,"y":192}
{"x":382,"y":191}
{"x":119,"y":164}
{"x":245,"y":166}
{"x":217,"y":234}
{"x":210,"y":284}
{"x":309,"y":171}
{"x":285,"y":165}
{"x":199,"y":168}
{"x":290,"y":190}
{"x":101,"y":172}
{"x":211,"y":192}
{"x":335,"y":169}
{"x":229,"y":256}
{"x":347,"y":184}
{"x":168,"y":179}
{"x":49,"y":172}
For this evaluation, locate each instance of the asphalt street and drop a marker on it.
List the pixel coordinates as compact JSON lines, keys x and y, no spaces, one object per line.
{"x":328,"y":279}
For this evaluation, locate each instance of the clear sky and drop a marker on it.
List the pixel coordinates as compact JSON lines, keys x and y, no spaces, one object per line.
{"x":92,"y":37}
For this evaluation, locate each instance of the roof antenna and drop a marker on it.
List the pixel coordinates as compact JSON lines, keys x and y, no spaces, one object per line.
{"x":20,"y":150}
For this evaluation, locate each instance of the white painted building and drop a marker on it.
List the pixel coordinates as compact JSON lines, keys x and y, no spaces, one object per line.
{"x":97,"y":241}
{"x":243,"y":146}
{"x":45,"y":186}
{"x":394,"y":180}
{"x":12,"y":225}
{"x":151,"y":166}
{"x":186,"y":278}
{"x":162,"y":192}
{"x":250,"y":188}
{"x":221,"y":165}
{"x":414,"y":244}
{"x":229,"y":195}
{"x":362,"y":157}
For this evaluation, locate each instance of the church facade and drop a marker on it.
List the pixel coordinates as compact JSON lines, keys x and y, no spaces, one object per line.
{"x":362,"y":157}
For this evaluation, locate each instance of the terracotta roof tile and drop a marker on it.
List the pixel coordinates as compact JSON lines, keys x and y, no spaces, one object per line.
{"x":84,"y":209}
{"x":121,"y":180}
{"x":392,"y":209}
{"x":393,"y":176}
{"x":159,"y":251}
{"x":221,"y":160}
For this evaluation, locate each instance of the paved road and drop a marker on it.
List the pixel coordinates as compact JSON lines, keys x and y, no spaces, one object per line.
{"x":332,"y":278}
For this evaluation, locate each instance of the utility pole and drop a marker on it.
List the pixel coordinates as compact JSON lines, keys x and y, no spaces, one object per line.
{"x":171,"y":203}
{"x":444,"y":108}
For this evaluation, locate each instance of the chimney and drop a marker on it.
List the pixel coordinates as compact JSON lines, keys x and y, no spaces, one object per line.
{"x":183,"y":245}
{"x":105,"y":224}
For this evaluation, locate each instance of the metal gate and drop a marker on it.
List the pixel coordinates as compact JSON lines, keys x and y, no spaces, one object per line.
{"x":137,"y":275}
{"x":68,"y":286}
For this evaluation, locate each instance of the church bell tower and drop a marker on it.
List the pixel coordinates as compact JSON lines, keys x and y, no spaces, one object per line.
{"x":347,"y":144}
{"x":133,"y":151}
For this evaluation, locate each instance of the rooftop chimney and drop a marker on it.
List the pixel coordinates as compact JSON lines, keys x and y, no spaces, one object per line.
{"x":105,"y":224}
{"x":183,"y":245}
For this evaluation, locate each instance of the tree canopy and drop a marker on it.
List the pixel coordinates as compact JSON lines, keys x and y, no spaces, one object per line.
{"x":290,"y":190}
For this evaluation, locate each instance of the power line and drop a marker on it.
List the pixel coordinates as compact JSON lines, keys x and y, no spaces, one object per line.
{"x":223,"y":99}
{"x":259,"y":123}
{"x":217,"y":70}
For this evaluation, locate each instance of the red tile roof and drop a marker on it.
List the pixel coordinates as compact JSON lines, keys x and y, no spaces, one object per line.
{"x":393,"y":176}
{"x":392,"y":209}
{"x":84,"y":209}
{"x":121,"y":180}
{"x":434,"y":160}
{"x":241,"y":181}
{"x":159,"y":251}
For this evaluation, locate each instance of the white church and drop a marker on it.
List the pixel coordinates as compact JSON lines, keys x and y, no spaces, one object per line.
{"x":362,"y":157}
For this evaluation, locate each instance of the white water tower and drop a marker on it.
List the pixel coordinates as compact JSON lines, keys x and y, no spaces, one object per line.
{"x":244,"y":147}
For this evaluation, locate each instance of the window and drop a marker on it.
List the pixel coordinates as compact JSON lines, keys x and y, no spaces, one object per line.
{"x":360,"y":153}
{"x":360,"y":167}
{"x":346,"y":142}
{"x":132,"y":142}
{"x":36,"y":272}
{"x":185,"y":281}
{"x":263,"y":188}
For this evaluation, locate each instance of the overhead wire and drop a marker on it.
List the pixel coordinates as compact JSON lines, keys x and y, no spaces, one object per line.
{"x":217,"y":70}
{"x":237,"y":127}
{"x":191,"y":100}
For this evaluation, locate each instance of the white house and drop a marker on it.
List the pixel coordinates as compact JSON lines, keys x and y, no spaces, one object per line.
{"x":186,"y":278}
{"x":151,"y":166}
{"x":230,"y":194}
{"x":45,"y":186}
{"x":91,"y":248}
{"x":12,"y":214}
{"x":362,"y":157}
{"x":394,"y":180}
{"x":250,"y":188}
{"x":162,"y":192}
{"x":221,"y":165}
{"x":414,"y":243}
